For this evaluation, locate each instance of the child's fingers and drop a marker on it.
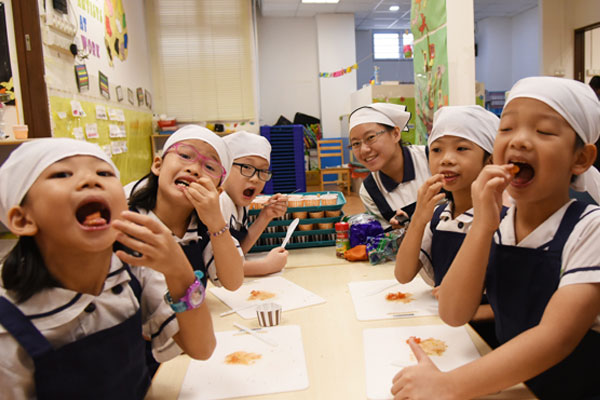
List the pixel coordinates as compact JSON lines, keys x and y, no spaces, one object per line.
{"x":139,"y":220}
{"x":419,"y":353}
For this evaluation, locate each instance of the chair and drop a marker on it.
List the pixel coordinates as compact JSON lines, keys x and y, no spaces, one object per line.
{"x":330,"y":153}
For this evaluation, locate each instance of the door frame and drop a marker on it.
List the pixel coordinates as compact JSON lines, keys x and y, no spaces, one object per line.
{"x":579,"y":51}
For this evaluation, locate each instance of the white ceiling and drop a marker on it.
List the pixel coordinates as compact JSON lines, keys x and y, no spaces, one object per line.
{"x":375,"y":14}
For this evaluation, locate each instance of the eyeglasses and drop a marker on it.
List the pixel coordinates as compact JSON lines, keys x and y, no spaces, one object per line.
{"x":249,"y":171}
{"x":368,"y":140}
{"x":189,"y":154}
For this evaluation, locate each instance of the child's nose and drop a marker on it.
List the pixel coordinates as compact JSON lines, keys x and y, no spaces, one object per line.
{"x":194,"y":169}
{"x":521,"y":139}
{"x":90,"y":180}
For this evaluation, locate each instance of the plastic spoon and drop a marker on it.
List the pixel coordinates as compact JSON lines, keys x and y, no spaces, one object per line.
{"x":289,"y":232}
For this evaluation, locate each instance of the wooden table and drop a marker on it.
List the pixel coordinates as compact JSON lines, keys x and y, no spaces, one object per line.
{"x":332,"y":336}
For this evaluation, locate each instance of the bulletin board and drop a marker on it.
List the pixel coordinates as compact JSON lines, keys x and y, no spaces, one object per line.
{"x":409,"y":102}
{"x":428,"y":25}
{"x":124,"y":133}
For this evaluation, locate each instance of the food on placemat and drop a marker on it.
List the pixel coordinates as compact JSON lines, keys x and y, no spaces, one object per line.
{"x":399,"y":296}
{"x":242,"y":358}
{"x":431,"y":346}
{"x":260,"y":295}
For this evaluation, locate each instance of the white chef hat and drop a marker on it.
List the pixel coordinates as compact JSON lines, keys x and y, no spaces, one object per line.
{"x":473,"y":123}
{"x":381,"y":113}
{"x":30,"y":159}
{"x":197,"y":132}
{"x":245,"y":144}
{"x":575,"y":101}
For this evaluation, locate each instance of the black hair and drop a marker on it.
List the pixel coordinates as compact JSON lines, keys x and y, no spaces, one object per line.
{"x":145,"y":197}
{"x":578,"y":145}
{"x":595,"y":82}
{"x":24,"y":272}
{"x":389,"y":129}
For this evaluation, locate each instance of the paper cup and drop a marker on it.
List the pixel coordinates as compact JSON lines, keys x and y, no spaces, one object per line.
{"x":317,"y":214}
{"x":329,"y":199}
{"x":295,"y":200}
{"x":333,"y":213}
{"x":300,"y":214}
{"x":20,"y":131}
{"x":312,"y":201}
{"x":268,"y":314}
{"x":305,"y":227}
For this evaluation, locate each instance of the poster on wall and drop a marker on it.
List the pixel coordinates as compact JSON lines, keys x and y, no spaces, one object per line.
{"x":82,"y":78}
{"x":130,"y":96}
{"x":103,"y":84}
{"x":115,"y":30}
{"x":148,"y":98}
{"x":119,"y":92}
{"x":428,"y":25}
{"x":140,"y":96}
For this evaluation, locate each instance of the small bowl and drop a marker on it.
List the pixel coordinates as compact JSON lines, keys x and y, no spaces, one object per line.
{"x":268,"y":314}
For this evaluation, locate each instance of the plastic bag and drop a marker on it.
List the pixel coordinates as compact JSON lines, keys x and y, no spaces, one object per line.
{"x":383,"y":247}
{"x":361,"y":227}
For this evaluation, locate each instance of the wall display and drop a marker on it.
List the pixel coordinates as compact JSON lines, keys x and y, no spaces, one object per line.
{"x":148,"y":98}
{"x":115,"y":30}
{"x":103,"y":84}
{"x":119,"y":91}
{"x":130,"y":96}
{"x":82,"y":78}
{"x":428,"y":25}
{"x":140,"y":96}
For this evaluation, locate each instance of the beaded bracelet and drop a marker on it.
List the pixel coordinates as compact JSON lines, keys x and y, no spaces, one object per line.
{"x":219,"y":233}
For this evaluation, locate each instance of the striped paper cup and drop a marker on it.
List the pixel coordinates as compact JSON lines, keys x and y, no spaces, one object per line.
{"x":269,"y":314}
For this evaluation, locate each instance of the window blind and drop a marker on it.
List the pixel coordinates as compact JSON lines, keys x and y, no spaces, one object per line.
{"x":203,"y":56}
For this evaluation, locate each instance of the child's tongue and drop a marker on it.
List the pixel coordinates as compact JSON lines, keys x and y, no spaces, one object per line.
{"x":525,"y":173}
{"x":94,"y":219}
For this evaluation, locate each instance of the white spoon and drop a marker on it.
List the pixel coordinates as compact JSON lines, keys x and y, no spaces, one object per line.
{"x":289,"y":232}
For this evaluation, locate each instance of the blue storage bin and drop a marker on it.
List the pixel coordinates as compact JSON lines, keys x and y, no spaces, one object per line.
{"x":287,"y":158}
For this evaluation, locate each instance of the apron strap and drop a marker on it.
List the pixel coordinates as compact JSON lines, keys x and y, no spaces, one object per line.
{"x":568,"y":222}
{"x":435,"y":220}
{"x":382,"y":205}
{"x":21,"y":328}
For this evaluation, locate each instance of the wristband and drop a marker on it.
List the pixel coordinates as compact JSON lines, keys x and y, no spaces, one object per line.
{"x":193,"y":298}
{"x":219,"y":233}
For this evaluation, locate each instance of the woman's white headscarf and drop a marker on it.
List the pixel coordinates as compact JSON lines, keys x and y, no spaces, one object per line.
{"x":381,"y":113}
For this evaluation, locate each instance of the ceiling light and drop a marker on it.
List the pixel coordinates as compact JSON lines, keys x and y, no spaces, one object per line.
{"x":320,"y":1}
{"x":394,"y":8}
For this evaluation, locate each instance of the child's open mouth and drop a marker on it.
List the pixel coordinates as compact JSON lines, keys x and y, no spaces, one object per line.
{"x":182,"y":182}
{"x":249,"y":192}
{"x":93,"y":215}
{"x":524,"y":174}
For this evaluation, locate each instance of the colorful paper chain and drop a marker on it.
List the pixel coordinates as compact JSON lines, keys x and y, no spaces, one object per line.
{"x":336,"y":74}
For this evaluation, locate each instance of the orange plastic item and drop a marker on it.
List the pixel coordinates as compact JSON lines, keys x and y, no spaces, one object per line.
{"x":357,"y":253}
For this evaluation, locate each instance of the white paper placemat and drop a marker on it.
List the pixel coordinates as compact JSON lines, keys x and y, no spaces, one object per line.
{"x":287,"y":294}
{"x":369,"y":298}
{"x":279,"y":369}
{"x":387,"y":346}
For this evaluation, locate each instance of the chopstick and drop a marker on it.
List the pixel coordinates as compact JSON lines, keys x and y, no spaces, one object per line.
{"x":256,"y":335}
{"x":402,"y":314}
{"x":374,"y":292}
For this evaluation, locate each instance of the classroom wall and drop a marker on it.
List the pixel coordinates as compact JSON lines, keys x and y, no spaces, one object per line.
{"x":559,"y":19}
{"x":508,"y":49}
{"x":336,"y":50}
{"x":461,"y":52}
{"x":12,"y":113}
{"x":401,"y":70}
{"x":288,"y":68}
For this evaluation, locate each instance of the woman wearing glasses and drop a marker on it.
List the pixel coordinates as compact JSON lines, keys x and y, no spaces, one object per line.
{"x":182,"y":190}
{"x":251,"y":155}
{"x":397,"y":171}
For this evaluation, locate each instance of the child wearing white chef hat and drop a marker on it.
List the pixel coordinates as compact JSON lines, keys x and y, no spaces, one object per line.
{"x":539,"y":264}
{"x":182,"y":190}
{"x":251,"y":154}
{"x":70,"y":309}
{"x":397,"y":170}
{"x":460,"y":145}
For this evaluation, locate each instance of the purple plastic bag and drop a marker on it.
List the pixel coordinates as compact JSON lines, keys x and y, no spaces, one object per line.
{"x":359,"y":232}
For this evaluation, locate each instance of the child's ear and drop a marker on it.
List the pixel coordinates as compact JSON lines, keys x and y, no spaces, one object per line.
{"x":584,"y":158}
{"x":20,"y":223}
{"x":156,"y":164}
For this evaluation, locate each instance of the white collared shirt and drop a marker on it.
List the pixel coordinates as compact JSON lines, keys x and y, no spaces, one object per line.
{"x":580,"y":256}
{"x":67,"y":321}
{"x":405,"y":192}
{"x":460,"y":224}
{"x":232,"y":213}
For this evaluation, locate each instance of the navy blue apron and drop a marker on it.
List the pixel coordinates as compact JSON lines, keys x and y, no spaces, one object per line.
{"x":193,"y":251}
{"x":382,"y":205}
{"x":444,"y":246}
{"x":239,"y":234}
{"x":520,"y":282}
{"x":108,"y":364}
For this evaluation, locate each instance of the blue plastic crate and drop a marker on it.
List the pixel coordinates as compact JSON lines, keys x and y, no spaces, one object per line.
{"x":287,"y":158}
